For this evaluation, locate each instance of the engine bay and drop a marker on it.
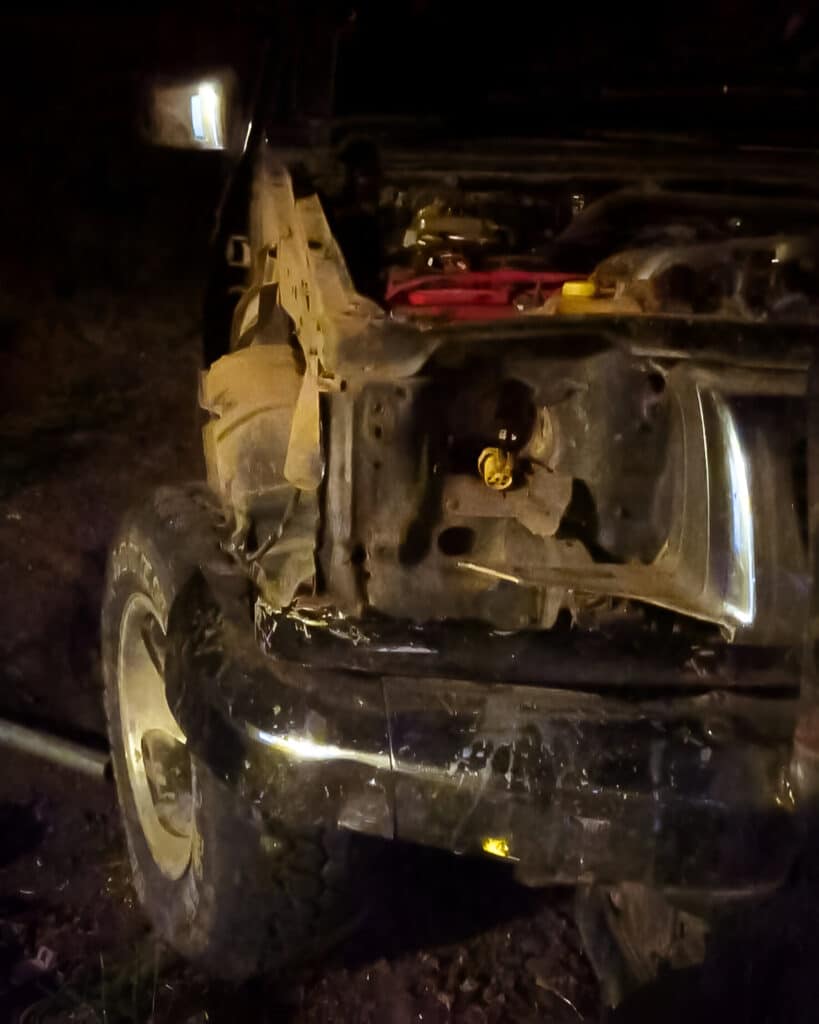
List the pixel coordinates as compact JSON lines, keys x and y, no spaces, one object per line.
{"x":473,"y":245}
{"x":524,"y":400}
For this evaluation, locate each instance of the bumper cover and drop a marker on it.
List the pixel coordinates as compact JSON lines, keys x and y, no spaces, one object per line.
{"x":688,"y":791}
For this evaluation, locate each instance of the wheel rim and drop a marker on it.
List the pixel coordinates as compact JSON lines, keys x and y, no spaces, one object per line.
{"x":158,"y":763}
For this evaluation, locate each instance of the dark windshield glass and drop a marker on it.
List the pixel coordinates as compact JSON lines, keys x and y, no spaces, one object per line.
{"x":537,"y":68}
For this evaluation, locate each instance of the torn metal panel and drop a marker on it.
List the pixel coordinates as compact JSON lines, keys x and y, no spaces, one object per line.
{"x":253,"y":397}
{"x":304,"y":260}
{"x":294,"y":251}
{"x":304,"y":465}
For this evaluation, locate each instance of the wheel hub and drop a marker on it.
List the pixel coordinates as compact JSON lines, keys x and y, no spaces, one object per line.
{"x":157,"y":759}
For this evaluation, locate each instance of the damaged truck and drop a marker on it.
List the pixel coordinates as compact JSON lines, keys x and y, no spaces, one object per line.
{"x":504,"y":543}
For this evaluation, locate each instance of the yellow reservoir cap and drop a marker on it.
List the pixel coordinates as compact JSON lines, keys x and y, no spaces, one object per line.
{"x":496,"y":845}
{"x":497,"y":467}
{"x":579,"y":289}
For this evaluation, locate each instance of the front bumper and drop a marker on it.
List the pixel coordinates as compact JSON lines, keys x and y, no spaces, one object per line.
{"x":688,"y":791}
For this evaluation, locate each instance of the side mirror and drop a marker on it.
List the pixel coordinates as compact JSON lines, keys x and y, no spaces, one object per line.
{"x":193,"y":114}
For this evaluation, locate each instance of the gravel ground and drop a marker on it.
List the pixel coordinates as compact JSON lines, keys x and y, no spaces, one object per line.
{"x":100,"y":283}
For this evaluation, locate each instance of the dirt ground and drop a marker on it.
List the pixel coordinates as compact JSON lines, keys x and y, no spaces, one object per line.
{"x":100,"y":285}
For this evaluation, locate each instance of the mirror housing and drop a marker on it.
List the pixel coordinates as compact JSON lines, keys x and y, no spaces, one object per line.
{"x":194,"y":113}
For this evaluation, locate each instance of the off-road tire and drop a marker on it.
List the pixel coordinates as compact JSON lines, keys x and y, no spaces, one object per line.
{"x":254,"y":897}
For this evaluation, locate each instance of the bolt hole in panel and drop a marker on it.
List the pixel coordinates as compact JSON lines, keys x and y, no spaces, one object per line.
{"x":456,"y":540}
